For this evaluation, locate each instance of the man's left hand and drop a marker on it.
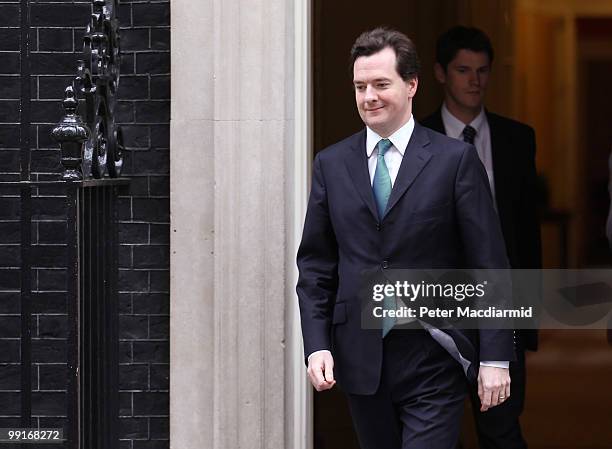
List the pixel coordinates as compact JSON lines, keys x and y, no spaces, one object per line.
{"x":493,"y":386}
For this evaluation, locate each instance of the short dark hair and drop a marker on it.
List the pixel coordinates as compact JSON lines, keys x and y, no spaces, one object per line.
{"x":373,"y":41}
{"x":461,"y":38}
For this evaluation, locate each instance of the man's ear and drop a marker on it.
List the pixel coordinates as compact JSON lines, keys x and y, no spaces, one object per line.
{"x":439,"y":73}
{"x":413,"y":83}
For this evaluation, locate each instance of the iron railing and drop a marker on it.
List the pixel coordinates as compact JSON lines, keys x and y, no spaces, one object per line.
{"x":91,"y":156}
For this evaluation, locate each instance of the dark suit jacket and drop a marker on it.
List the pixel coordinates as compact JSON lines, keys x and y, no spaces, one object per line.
{"x":514,"y":171}
{"x":439,"y":215}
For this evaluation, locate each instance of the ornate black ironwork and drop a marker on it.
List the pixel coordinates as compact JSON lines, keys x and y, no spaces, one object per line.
{"x":90,"y":148}
{"x":71,"y":133}
{"x":96,"y":82}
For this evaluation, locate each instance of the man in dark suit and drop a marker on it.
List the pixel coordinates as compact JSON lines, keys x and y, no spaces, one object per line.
{"x":506,"y":149}
{"x":396,"y":195}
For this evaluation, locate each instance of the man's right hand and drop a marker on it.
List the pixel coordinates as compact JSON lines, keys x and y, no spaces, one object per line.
{"x":321,"y":370}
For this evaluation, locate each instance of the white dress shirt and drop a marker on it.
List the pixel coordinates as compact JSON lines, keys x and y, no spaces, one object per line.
{"x":454,"y":128}
{"x":393,"y":160}
{"x":394,"y":155}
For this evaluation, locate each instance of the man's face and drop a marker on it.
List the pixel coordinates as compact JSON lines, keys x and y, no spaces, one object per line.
{"x":384,"y":99}
{"x":465,"y":80}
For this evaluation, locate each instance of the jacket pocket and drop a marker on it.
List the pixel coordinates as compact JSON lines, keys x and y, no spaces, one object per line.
{"x":431,"y":213}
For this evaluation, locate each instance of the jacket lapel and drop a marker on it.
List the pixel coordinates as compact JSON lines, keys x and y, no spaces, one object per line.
{"x":414,"y":160}
{"x":357,"y":165}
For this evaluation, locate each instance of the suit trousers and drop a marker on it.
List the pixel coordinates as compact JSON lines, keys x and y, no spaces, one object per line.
{"x":419,"y":402}
{"x":499,"y":427}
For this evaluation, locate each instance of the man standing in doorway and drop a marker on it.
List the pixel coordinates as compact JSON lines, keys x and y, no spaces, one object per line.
{"x":506,"y":149}
{"x":396,"y":195}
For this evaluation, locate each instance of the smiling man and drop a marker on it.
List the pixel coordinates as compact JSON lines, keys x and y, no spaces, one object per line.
{"x":396,"y":195}
{"x":507,"y":151}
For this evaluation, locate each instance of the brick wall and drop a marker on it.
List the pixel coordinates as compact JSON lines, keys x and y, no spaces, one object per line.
{"x":144,"y":111}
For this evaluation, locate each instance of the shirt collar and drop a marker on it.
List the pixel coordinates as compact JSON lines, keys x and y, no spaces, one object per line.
{"x":399,"y":138}
{"x":454,"y":127}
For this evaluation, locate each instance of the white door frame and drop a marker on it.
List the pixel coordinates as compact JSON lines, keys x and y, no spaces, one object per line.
{"x":300,"y":431}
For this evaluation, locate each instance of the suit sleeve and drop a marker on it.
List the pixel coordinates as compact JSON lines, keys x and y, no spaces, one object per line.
{"x":317,"y":261}
{"x":483,"y":242}
{"x":529,"y":239}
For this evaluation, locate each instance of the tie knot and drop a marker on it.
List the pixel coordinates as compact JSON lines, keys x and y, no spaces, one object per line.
{"x":468,"y":134}
{"x":383,"y":146}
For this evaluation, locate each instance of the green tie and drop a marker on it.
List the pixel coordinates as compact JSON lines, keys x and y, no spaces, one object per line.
{"x":382,"y":190}
{"x":382,"y":180}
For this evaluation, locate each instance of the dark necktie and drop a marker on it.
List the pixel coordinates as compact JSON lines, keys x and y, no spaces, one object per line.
{"x":468,"y":134}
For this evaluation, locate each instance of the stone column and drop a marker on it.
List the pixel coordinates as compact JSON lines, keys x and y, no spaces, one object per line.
{"x":192,"y":198}
{"x":233,"y":156}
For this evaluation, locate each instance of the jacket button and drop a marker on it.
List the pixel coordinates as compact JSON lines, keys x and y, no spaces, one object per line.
{"x":385,"y":264}
{"x":378,"y":226}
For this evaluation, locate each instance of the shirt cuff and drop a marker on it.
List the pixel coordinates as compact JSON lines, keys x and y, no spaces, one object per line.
{"x":494,"y":363}
{"x":317,"y":352}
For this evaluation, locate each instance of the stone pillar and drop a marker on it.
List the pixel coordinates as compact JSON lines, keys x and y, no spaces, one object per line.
{"x":192,"y":198}
{"x":233,"y":163}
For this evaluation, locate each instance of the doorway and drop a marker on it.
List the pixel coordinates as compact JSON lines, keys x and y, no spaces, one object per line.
{"x":523,"y":86}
